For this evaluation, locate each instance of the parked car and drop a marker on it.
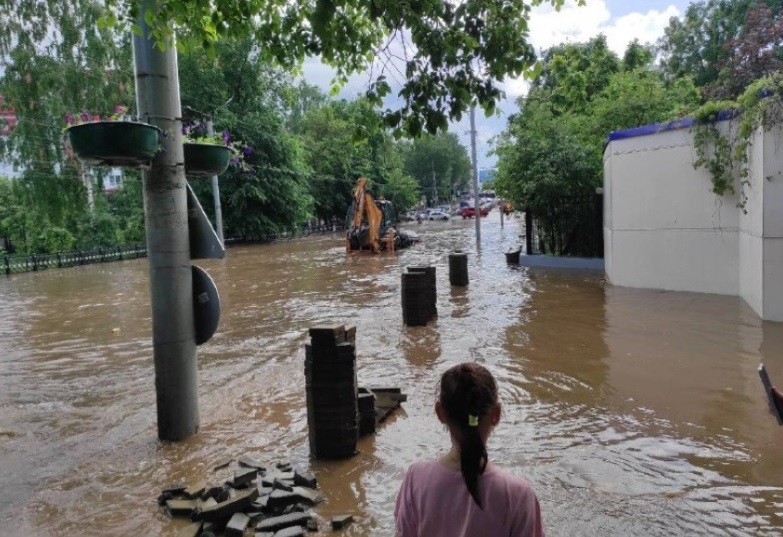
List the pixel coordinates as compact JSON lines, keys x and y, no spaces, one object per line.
{"x":437,"y":214}
{"x":470,"y":212}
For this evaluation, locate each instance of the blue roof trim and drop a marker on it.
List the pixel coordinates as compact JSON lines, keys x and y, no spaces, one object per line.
{"x":685,"y":123}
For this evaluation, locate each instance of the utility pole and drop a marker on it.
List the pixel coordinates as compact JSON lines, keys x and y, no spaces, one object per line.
{"x":168,"y":243}
{"x":434,"y":188}
{"x":216,"y":193}
{"x":475,"y":174}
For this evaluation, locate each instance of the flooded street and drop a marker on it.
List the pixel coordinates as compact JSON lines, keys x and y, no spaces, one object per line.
{"x":632,"y":412}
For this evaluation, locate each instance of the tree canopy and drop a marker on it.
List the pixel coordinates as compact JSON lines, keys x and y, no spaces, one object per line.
{"x":756,"y":52}
{"x":574,"y":72}
{"x":307,"y":149}
{"x":440,"y":165}
{"x":698,"y":44}
{"x":64,"y":63}
{"x":246,"y":98}
{"x":444,"y":56}
{"x":552,"y":148}
{"x":431,"y":60}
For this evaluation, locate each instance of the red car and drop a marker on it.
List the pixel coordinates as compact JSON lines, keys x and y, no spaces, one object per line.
{"x":470,"y":212}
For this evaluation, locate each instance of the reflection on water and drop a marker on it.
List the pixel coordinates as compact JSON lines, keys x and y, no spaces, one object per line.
{"x":633,"y":412}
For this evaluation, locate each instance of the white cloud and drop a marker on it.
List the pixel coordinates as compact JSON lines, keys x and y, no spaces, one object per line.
{"x":318,"y":73}
{"x":580,"y":23}
{"x":572,"y":23}
{"x":647,"y":27}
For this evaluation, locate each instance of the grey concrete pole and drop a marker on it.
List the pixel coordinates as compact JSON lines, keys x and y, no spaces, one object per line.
{"x":475,"y":173}
{"x":216,"y":194}
{"x":168,"y":248}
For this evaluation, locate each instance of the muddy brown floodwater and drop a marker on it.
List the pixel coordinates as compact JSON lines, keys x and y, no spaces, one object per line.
{"x":632,"y":412}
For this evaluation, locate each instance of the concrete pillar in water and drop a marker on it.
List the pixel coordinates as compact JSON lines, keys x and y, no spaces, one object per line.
{"x":168,"y":249}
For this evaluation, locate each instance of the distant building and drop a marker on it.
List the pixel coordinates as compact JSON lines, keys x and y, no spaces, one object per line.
{"x":486,"y":174}
{"x":113,"y":180}
{"x":8,"y":121}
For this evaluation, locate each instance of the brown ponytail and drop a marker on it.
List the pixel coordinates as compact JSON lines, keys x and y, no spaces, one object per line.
{"x":467,"y":395}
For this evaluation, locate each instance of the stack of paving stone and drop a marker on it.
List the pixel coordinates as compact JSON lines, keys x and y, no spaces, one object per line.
{"x":387,"y":400}
{"x":273,"y":500}
{"x":332,"y":394}
{"x":432,"y":290}
{"x":419,"y":296}
{"x":367,"y":417}
{"x":458,"y":268}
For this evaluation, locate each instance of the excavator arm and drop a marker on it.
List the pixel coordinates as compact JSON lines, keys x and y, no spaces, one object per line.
{"x":366,"y":215}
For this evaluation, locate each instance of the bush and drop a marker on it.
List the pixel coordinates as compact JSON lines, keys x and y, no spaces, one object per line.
{"x":53,"y":239}
{"x":98,"y":230}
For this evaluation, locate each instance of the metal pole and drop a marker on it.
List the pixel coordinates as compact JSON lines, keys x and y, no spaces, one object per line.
{"x":434,"y":188}
{"x":168,"y":248}
{"x":475,"y":173}
{"x":216,"y":194}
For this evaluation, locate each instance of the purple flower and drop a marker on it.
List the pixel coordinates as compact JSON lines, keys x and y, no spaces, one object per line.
{"x":226,"y":137}
{"x":70,"y":119}
{"x":85,"y":115}
{"x":247,"y":151}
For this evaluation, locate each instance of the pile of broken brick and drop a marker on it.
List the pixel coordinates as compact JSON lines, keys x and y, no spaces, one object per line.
{"x":274,"y":501}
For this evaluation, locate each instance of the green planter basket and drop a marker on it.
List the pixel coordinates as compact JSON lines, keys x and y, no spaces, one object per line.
{"x":206,"y":159}
{"x":115,"y":143}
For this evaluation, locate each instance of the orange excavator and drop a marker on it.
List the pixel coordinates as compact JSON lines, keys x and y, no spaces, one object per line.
{"x":370,"y":224}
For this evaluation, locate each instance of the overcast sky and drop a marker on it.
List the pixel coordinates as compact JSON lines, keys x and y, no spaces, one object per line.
{"x":620,"y":20}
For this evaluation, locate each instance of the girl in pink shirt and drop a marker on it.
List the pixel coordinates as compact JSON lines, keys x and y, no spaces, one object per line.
{"x":462,"y":494}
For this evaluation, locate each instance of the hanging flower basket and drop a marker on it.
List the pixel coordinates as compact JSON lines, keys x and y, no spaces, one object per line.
{"x":205,"y":160}
{"x":115,"y":143}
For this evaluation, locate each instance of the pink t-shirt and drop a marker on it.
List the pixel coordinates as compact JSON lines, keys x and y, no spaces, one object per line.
{"x":434,"y":501}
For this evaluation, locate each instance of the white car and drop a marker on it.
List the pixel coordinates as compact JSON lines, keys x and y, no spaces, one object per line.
{"x":437,"y":214}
